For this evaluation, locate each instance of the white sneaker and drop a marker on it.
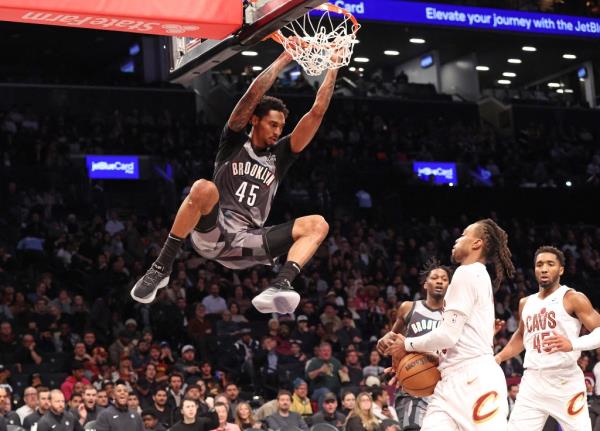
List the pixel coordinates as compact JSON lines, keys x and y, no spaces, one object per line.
{"x":280,"y":298}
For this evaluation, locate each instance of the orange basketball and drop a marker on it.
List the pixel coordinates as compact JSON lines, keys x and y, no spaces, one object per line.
{"x":417,"y":373}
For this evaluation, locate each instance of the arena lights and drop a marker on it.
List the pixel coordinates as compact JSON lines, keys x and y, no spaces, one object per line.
{"x":514,"y":60}
{"x":257,"y":68}
{"x":509,"y":74}
{"x":560,"y":91}
{"x":352,"y":69}
{"x":529,"y":48}
{"x":504,"y":81}
{"x":416,"y":40}
{"x":569,"y":56}
{"x":568,"y":183}
{"x":361,"y":59}
{"x":569,"y":90}
{"x":361,"y":69}
{"x":553,"y":85}
{"x":482,"y":68}
{"x":391,"y":52}
{"x":249,"y":53}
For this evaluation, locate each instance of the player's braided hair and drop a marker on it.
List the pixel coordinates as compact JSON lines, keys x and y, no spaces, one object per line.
{"x":431,"y":265}
{"x":495,"y":249}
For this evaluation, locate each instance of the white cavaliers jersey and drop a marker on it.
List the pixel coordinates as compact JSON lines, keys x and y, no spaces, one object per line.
{"x":470,"y":293}
{"x":540,"y":318}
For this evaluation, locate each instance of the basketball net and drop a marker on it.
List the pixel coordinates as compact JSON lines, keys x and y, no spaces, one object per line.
{"x":317,"y":43}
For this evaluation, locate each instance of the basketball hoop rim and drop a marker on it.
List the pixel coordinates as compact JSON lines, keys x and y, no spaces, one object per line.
{"x":327,"y":7}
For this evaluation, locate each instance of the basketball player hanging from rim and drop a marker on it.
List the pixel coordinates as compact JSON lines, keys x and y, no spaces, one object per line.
{"x":549,"y":326}
{"x":226,"y":216}
{"x":471,"y":394}
{"x":417,"y":318}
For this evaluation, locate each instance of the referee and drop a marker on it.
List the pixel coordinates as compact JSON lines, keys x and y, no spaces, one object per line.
{"x":117,"y":417}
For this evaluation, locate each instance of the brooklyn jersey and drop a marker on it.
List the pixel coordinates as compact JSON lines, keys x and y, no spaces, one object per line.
{"x":421,"y":319}
{"x":540,"y":318}
{"x":247,"y":178}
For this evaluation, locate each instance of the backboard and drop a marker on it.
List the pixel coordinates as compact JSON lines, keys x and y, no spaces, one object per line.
{"x":191,"y":57}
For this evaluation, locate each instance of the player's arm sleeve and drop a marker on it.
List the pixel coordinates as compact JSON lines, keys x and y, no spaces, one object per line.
{"x":590,"y":341}
{"x":443,"y":337}
{"x":460,"y":299}
{"x":229,"y":142}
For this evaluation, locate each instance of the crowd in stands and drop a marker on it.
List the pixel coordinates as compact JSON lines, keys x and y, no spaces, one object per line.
{"x":540,"y":153}
{"x":67,"y":321}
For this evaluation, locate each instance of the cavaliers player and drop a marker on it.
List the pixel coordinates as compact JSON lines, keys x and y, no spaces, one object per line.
{"x":549,"y":326}
{"x":472,"y":392}
{"x":226,"y":216}
{"x":417,"y":318}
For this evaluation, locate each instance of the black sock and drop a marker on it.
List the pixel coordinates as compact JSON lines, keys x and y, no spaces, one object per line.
{"x":167,"y":255}
{"x":289,"y":272}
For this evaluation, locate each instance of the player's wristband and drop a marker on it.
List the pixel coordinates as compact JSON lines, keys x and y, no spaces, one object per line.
{"x":587,"y":342}
{"x":444,"y":336}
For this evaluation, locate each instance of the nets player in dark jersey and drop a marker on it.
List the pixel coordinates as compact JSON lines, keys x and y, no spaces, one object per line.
{"x":226,"y":216}
{"x":415,"y":318}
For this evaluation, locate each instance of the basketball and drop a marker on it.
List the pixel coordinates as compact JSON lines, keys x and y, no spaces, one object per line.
{"x":417,"y":373}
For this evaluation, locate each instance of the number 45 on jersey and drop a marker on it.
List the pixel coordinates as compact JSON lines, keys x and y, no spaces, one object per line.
{"x":251,"y":197}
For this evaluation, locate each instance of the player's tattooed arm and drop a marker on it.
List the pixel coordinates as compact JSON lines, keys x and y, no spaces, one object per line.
{"x":245,"y":107}
{"x":308,"y":125}
{"x":515,"y":344}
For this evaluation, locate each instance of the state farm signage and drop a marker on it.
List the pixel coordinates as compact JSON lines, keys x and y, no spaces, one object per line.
{"x":108,"y":23}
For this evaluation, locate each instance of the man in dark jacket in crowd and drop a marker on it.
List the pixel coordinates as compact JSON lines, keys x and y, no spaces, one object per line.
{"x":43,"y":406}
{"x":151,"y":422}
{"x":328,"y":413}
{"x":191,"y":422}
{"x":117,"y":417}
{"x":11,"y":418}
{"x":57,"y":419}
{"x":283,"y":418}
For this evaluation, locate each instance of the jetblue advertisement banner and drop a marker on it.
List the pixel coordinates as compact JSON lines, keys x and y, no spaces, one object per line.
{"x":470,"y":17}
{"x":113,"y":167}
{"x":442,"y":172}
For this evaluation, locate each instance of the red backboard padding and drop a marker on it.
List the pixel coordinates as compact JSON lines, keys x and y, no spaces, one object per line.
{"x":208,"y":19}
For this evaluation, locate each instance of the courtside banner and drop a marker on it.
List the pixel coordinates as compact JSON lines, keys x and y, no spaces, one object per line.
{"x":209,"y":19}
{"x":470,"y":17}
{"x":113,"y":167}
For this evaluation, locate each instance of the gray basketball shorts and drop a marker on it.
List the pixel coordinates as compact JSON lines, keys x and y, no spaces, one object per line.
{"x":245,"y":248}
{"x":410,"y":411}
